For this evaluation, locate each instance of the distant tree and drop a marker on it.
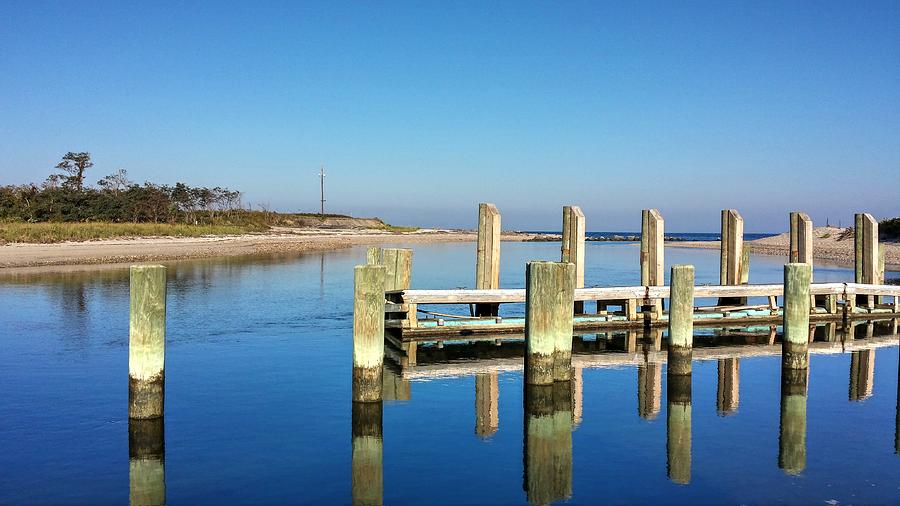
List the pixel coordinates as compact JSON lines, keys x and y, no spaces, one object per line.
{"x":116,"y":182}
{"x":74,"y":164}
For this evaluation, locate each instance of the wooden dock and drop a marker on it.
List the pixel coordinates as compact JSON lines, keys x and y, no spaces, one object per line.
{"x":417,"y":316}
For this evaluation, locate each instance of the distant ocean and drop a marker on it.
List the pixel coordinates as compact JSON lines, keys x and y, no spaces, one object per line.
{"x":689,"y":236}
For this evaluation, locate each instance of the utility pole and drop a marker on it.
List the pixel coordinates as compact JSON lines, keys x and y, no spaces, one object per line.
{"x":322,"y":187}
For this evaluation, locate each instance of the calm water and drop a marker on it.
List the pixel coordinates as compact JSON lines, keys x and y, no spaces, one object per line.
{"x":258,"y":400}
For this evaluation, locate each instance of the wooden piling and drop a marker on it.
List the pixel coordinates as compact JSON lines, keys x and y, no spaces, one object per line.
{"x":572,"y":250}
{"x":146,"y":462}
{"x":147,"y":342}
{"x":367,"y":454}
{"x":487,"y":261}
{"x":487,"y":397}
{"x":678,"y":425}
{"x":792,"y":430}
{"x":549,"y":303}
{"x":794,"y":346}
{"x":801,"y":238}
{"x":681,"y":318}
{"x":731,"y":248}
{"x":728,"y":393}
{"x":866,"y":249}
{"x":652,"y":253}
{"x":368,"y":332}
{"x":397,"y":276}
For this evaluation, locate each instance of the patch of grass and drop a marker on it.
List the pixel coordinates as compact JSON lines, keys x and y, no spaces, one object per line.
{"x":59,"y":232}
{"x":399,"y":229}
{"x":826,"y":235}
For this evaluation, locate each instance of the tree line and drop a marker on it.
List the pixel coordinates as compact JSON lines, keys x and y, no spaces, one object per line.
{"x":65,"y":196}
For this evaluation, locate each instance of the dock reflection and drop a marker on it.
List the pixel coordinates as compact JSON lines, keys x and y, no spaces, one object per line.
{"x":487,"y":397}
{"x":146,"y":462}
{"x":548,"y":442}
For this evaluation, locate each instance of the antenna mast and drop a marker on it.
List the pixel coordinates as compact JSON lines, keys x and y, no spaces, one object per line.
{"x":322,"y":189}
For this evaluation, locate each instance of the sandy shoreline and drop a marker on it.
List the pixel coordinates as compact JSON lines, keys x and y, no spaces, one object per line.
{"x":829,"y":246}
{"x":279,"y":240}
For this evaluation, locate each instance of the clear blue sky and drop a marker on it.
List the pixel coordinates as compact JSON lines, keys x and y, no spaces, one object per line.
{"x":420,"y":110}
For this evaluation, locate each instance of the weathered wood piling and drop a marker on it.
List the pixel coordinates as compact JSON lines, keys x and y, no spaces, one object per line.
{"x":146,"y":462}
{"x":368,"y":332}
{"x":549,"y":304}
{"x":792,"y":433}
{"x":795,"y":342}
{"x":867,"y":256}
{"x":572,"y":250}
{"x":147,"y":342}
{"x":681,"y":319}
{"x":487,"y":397}
{"x":487,"y":259}
{"x":367,"y":454}
{"x":731,"y":254}
{"x":801,"y":233}
{"x":653,"y":255}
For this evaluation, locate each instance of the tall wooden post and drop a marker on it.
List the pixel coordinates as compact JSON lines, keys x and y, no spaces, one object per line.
{"x":801,"y":239}
{"x":367,"y":454}
{"x":549,"y":302}
{"x":147,"y":342}
{"x":397,"y":276}
{"x":487,"y":397}
{"x":652,"y":253}
{"x":368,"y":332}
{"x":146,"y":462}
{"x":792,"y":433}
{"x":728,"y":394}
{"x":731,"y":254}
{"x":487,"y":261}
{"x":572,"y":251}
{"x":862,"y":373}
{"x":794,"y":347}
{"x":681,"y":318}
{"x":866,"y":248}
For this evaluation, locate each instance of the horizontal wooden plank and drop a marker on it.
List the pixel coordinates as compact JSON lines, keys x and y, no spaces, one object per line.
{"x":517,"y":295}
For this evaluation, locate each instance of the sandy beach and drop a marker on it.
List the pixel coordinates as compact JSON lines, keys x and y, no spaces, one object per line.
{"x":831,"y":245}
{"x":278,"y":240}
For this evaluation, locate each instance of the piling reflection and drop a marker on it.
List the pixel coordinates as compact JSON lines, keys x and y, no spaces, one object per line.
{"x":862,"y":372}
{"x":728,"y":392}
{"x":649,"y":390}
{"x":577,"y":395}
{"x":393,"y":386}
{"x":678,"y":415}
{"x":487,"y":397}
{"x":367,"y":480}
{"x":146,"y":462}
{"x":548,"y":442}
{"x":792,"y":434}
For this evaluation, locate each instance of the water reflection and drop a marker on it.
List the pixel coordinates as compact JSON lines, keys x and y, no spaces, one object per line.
{"x":649,"y":390}
{"x":678,"y":416}
{"x":548,"y":442}
{"x":862,"y":372}
{"x":146,"y":462}
{"x":792,"y":434}
{"x":728,"y":392}
{"x":367,"y":475}
{"x":487,"y":396}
